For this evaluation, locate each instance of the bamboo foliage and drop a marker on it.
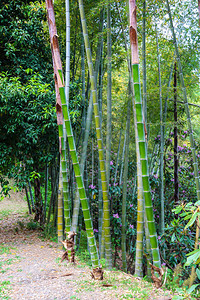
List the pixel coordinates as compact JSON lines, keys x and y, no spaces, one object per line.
{"x":106,"y":214}
{"x":141,"y":134}
{"x":189,"y":124}
{"x":72,"y":149}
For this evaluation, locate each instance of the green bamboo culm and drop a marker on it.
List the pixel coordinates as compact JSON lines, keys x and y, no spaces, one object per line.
{"x":87,"y":123}
{"x":140,"y":211}
{"x":64,"y":169}
{"x":106,"y":213}
{"x":109,"y":99}
{"x":79,"y":180}
{"x":141,"y":134}
{"x":162,"y":143}
{"x":140,"y":197}
{"x":124,"y":192}
{"x":60,"y":210}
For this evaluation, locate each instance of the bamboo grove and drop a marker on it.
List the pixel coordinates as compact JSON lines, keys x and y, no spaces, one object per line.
{"x":114,"y":159}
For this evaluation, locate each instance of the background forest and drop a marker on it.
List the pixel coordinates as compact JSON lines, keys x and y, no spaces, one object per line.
{"x":30,"y":151}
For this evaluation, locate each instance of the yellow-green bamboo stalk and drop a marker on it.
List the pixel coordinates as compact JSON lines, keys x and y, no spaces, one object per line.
{"x":109,"y":100}
{"x":140,"y":196}
{"x":106,"y":214}
{"x":140,"y":212}
{"x":60,"y":210}
{"x":124,"y":192}
{"x":141,"y":134}
{"x":79,"y":180}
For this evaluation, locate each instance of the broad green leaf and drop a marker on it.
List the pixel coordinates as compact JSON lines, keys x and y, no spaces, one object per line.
{"x":198,"y":273}
{"x":173,"y":237}
{"x":192,"y":220}
{"x":192,"y":288}
{"x":193,"y":258}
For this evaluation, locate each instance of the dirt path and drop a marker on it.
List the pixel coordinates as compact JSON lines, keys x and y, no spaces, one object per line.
{"x":30,"y":267}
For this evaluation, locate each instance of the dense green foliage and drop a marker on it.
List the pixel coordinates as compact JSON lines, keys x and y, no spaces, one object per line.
{"x":28,"y":127}
{"x":28,"y":130}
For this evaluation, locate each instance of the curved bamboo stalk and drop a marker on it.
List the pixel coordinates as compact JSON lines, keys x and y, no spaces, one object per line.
{"x":72,"y":149}
{"x":106,"y":214}
{"x":141,"y":134}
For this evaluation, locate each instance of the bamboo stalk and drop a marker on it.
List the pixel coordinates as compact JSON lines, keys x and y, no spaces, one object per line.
{"x":124,"y":191}
{"x":72,"y":148}
{"x":176,"y":188}
{"x":109,"y":100}
{"x":141,"y":134}
{"x":87,"y":130}
{"x":162,"y":141}
{"x":60,"y":210}
{"x":106,"y":214}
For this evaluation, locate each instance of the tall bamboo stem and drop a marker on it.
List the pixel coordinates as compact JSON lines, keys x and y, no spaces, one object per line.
{"x":141,"y":134}
{"x":124,"y":191}
{"x":106,"y":214}
{"x":162,"y":203}
{"x":72,"y":149}
{"x":176,"y":188}
{"x":109,"y":88}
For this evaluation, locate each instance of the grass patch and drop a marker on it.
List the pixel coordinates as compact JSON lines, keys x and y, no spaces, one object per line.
{"x":5,"y":213}
{"x":4,"y":287}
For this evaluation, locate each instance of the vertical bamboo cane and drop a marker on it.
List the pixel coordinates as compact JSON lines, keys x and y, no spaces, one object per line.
{"x":106,"y":214}
{"x":79,"y":180}
{"x":141,"y":133}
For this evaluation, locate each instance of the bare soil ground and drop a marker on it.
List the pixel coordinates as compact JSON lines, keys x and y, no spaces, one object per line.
{"x":30,"y":267}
